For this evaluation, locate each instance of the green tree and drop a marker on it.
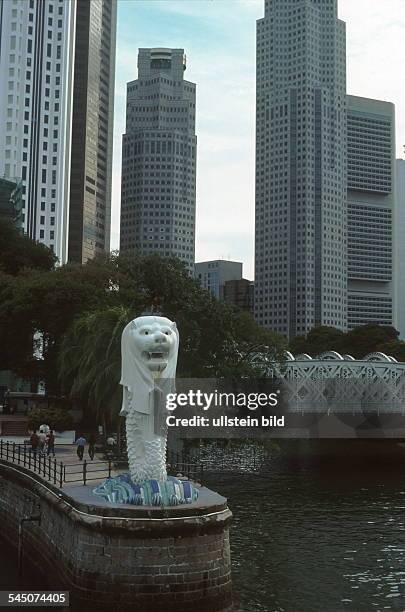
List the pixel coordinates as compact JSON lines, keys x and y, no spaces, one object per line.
{"x":19,"y":258}
{"x":90,"y":360}
{"x":37,"y":308}
{"x":366,"y":339}
{"x":358,"y":342}
{"x":317,"y":341}
{"x":215,"y":339}
{"x":73,"y":316}
{"x":19,"y":253}
{"x":394,"y":348}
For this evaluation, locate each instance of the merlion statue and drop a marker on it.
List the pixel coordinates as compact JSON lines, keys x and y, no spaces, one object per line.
{"x":149,"y":349}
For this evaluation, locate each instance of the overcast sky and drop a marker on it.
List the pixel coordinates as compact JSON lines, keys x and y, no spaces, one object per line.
{"x":219,"y":39}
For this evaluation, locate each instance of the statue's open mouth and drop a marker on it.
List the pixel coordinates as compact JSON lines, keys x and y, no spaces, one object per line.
{"x":155,"y":355}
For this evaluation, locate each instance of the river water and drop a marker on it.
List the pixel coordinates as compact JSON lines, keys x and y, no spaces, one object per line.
{"x":306,"y":538}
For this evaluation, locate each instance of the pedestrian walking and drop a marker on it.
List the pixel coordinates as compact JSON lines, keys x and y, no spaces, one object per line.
{"x":80,"y":443}
{"x":51,"y":443}
{"x":42,"y":442}
{"x":34,"y":442}
{"x":92,"y":444}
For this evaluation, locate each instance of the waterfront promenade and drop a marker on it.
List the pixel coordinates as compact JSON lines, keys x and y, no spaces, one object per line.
{"x":111,"y":554}
{"x":64,"y":469}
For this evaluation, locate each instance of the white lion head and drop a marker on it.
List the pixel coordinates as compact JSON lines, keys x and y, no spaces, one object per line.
{"x":153,"y":340}
{"x":149,"y":349}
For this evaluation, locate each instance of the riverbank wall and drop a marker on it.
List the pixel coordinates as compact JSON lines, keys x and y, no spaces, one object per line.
{"x":115,"y":556}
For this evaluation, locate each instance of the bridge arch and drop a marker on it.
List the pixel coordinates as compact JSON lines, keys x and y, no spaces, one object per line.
{"x":330,"y":356}
{"x":381,"y":357}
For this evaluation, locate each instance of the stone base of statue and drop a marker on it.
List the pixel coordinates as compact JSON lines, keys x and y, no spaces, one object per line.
{"x":173,"y":558}
{"x":120,"y":556}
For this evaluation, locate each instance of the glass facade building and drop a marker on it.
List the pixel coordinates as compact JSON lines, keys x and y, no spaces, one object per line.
{"x":92,"y":130}
{"x":371,"y":209}
{"x":301,"y":173}
{"x":42,"y":43}
{"x":159,"y":149}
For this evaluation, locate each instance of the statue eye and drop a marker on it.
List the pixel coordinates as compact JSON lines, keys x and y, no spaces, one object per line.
{"x":146,"y":332}
{"x":167,"y":333}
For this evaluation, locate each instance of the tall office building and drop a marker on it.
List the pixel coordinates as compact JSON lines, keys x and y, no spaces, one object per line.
{"x":38,"y":47}
{"x":400,"y":245}
{"x":240,"y":293}
{"x":371,"y":208}
{"x":92,"y":129}
{"x":36,"y":76}
{"x":213,"y":275}
{"x":159,"y":159}
{"x":301,"y":199}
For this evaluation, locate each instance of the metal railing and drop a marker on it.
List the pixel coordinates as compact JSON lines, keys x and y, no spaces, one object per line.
{"x":93,"y":470}
{"x":60,"y":473}
{"x":20,"y":454}
{"x":182,"y":463}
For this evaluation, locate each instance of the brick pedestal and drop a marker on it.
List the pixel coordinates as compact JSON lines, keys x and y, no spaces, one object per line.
{"x":115,"y":556}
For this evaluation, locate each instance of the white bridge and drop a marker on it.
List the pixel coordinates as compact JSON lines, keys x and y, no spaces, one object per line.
{"x":331,"y":382}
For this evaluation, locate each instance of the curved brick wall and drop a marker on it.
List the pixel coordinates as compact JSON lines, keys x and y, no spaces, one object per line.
{"x":176,"y":559}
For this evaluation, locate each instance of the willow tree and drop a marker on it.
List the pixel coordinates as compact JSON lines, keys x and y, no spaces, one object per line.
{"x":90,"y":359}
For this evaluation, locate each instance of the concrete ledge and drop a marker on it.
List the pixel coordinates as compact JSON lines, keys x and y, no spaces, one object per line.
{"x":115,"y":556}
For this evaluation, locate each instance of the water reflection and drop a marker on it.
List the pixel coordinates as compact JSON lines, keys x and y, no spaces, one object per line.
{"x":305,"y":538}
{"x":308,"y":539}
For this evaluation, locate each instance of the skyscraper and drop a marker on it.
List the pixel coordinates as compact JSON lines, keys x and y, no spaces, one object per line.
{"x":36,"y":75}
{"x":92,"y":129}
{"x":371,"y":212}
{"x":39,"y":51}
{"x":213,"y":275}
{"x":400,"y":244}
{"x":301,"y":200}
{"x":159,"y":159}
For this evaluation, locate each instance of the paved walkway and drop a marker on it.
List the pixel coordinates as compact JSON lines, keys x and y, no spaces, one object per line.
{"x":74,"y":470}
